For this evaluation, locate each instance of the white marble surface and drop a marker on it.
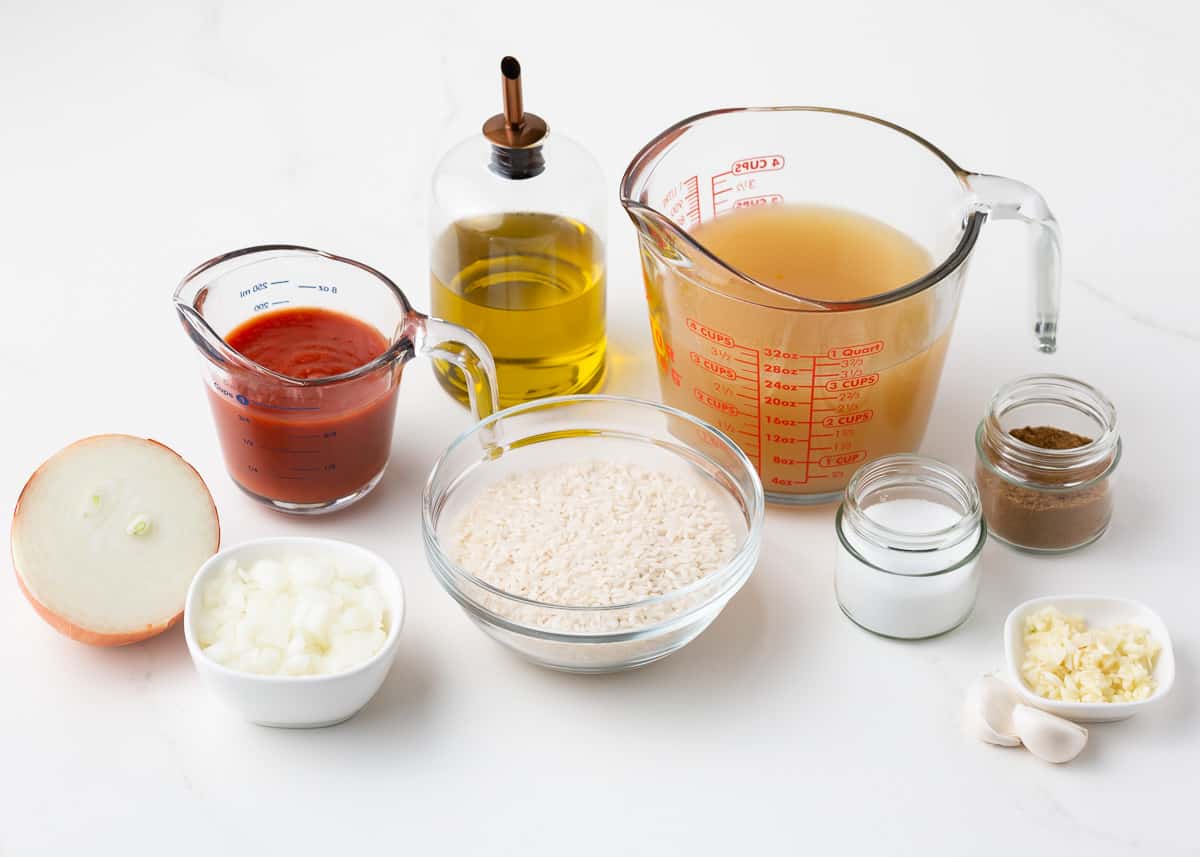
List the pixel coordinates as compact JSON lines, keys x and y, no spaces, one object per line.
{"x":140,"y":139}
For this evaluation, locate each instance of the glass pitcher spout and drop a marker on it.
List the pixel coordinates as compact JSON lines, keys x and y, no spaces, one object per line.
{"x":675,"y":247}
{"x":206,"y":340}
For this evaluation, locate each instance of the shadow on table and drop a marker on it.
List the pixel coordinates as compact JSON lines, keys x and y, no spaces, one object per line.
{"x":405,"y":694}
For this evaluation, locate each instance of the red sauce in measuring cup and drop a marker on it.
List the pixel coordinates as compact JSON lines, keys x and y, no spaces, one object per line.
{"x":306,"y":444}
{"x":307,"y":342}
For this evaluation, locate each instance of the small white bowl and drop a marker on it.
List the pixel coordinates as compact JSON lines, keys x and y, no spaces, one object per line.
{"x":298,"y":701}
{"x":1099,"y":612}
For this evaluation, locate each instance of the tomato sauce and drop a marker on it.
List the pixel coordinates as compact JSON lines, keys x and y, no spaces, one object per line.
{"x":306,"y":444}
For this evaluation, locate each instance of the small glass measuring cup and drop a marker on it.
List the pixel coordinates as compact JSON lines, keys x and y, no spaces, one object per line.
{"x":810,"y":389}
{"x":313,"y":445}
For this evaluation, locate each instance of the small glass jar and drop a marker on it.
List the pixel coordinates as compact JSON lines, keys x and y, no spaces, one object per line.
{"x":910,"y":531}
{"x":1047,"y":500}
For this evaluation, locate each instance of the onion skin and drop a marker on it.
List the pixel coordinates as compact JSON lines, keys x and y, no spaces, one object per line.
{"x":94,"y":638}
{"x":63,"y":625}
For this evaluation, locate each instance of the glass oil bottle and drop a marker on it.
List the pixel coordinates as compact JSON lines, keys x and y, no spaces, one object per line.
{"x":517,"y":257}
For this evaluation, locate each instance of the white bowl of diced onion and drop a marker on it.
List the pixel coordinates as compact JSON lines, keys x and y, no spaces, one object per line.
{"x":294,"y":632}
{"x":1100,"y":613}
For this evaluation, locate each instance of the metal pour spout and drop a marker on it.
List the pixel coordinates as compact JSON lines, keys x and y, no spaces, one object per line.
{"x":516,"y":136}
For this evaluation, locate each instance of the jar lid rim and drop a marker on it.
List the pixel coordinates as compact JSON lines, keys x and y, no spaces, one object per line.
{"x":976,"y":550}
{"x":1061,"y":391}
{"x":893,"y":472}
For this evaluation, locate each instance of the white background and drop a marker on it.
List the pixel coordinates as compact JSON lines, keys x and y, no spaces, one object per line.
{"x":138,"y":140}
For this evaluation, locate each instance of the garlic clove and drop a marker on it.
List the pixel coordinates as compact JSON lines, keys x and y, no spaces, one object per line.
{"x":1048,"y":736}
{"x":988,"y":711}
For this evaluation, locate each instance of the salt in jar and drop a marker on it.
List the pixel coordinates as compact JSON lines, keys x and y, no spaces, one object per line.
{"x":910,"y":530}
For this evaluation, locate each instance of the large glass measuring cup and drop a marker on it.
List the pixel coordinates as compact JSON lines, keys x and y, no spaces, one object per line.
{"x":812,"y":388}
{"x":313,"y":445}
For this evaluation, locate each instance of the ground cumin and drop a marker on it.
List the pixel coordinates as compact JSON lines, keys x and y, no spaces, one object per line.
{"x":1032,"y":508}
{"x":1049,"y":437}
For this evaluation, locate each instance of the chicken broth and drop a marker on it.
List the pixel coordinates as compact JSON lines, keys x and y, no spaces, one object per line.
{"x":808,"y":393}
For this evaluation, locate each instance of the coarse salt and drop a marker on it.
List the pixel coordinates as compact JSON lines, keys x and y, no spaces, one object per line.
{"x":909,"y":536}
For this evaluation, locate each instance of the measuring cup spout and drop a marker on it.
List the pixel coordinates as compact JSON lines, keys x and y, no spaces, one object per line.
{"x":659,"y":229}
{"x":668,"y":247}
{"x":205,"y":339}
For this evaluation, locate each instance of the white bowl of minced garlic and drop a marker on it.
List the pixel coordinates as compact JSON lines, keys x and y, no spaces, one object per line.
{"x":1089,"y":658}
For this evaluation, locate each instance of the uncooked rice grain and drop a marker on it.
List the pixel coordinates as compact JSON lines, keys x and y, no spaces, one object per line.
{"x":592,"y":534}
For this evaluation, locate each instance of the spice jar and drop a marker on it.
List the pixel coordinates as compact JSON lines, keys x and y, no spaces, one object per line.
{"x":1046,"y":453}
{"x":909,"y":532}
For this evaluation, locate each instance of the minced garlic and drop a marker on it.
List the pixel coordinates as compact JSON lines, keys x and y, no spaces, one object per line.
{"x":1066,"y":661}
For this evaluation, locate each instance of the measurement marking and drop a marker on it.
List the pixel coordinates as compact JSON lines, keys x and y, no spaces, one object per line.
{"x":290,"y":451}
{"x":828,"y":434}
{"x":306,"y":287}
{"x":812,"y":395}
{"x":717,"y":189}
{"x":281,"y":476}
{"x":279,"y":303}
{"x":692,"y":195}
{"x":748,"y":433}
{"x":758,"y":405}
{"x":304,"y":436}
{"x":747,"y":362}
{"x":280,"y":407}
{"x":280,"y":283}
{"x":304,"y":469}
{"x":744,"y":396}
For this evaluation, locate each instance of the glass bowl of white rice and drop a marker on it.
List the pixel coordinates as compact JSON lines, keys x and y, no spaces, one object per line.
{"x":593,"y":534}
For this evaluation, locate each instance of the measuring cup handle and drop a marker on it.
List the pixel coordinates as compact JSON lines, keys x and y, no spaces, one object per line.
{"x":442,"y":340}
{"x":1006,"y":199}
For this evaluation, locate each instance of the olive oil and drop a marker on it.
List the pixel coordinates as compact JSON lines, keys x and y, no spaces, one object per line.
{"x":531,"y":286}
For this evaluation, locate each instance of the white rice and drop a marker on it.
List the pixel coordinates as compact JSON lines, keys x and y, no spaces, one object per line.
{"x":592,"y":534}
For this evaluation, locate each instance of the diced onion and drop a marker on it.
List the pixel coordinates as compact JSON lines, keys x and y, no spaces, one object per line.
{"x":296,"y":615}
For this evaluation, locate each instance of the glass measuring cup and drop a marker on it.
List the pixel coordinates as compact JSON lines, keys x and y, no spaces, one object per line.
{"x":812,"y":388}
{"x":313,"y":445}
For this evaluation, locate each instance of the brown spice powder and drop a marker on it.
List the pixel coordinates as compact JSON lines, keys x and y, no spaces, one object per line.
{"x":1049,"y":437}
{"x":1039,"y":513}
